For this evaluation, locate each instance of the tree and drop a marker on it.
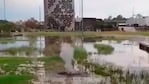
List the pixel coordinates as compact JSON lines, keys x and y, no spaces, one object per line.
{"x":6,"y":27}
{"x":110,"y":18}
{"x":119,"y":18}
{"x":32,"y":23}
{"x":139,"y":16}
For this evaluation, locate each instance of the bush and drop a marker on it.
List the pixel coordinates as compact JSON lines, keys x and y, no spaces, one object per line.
{"x":7,"y":27}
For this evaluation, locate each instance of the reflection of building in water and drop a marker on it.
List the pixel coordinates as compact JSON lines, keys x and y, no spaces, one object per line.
{"x":68,"y":80}
{"x":79,"y":42}
{"x":52,"y":46}
{"x":67,"y":39}
{"x":59,"y":14}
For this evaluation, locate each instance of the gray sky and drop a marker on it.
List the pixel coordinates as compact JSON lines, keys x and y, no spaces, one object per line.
{"x":24,"y":9}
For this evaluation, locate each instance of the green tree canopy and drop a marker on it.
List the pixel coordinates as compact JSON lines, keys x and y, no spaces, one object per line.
{"x":6,"y":26}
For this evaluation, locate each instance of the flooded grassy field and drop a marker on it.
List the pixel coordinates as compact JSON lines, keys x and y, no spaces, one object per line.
{"x":73,"y":60}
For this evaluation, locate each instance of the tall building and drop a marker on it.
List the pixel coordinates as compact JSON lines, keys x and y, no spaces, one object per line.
{"x":59,"y":14}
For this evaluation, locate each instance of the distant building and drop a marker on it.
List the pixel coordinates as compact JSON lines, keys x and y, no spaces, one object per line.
{"x":124,"y":27}
{"x":20,"y":26}
{"x":88,"y":24}
{"x":139,"y":21}
{"x":95,"y":24}
{"x":59,"y":14}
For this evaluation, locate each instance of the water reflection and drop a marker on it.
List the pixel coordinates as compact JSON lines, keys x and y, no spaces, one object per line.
{"x":52,"y":46}
{"x":126,"y":54}
{"x":49,"y":46}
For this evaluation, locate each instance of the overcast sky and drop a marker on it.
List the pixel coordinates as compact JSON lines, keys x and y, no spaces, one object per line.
{"x":24,"y":9}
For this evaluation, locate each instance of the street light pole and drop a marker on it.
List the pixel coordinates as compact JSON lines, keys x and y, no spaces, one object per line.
{"x":39,"y":14}
{"x":82,"y":23}
{"x":4,"y":10}
{"x":82,"y":15}
{"x":40,"y":30}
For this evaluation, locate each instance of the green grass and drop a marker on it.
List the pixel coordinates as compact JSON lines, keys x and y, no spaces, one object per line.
{"x":80,"y":54}
{"x":15,"y":79}
{"x":14,"y":51}
{"x":6,"y":41}
{"x":104,"y":49}
{"x":14,"y":60}
{"x":101,"y":71}
{"x":86,"y":34}
{"x":11,"y":63}
{"x":53,"y":63}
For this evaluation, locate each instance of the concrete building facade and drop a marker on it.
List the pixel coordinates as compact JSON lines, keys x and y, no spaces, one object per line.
{"x":59,"y":14}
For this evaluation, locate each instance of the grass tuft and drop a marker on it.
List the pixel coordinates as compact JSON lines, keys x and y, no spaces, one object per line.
{"x":14,"y":51}
{"x":80,"y":54}
{"x":53,"y":64}
{"x":104,"y":49}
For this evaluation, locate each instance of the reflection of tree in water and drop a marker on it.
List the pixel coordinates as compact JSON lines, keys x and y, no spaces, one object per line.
{"x":52,"y":46}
